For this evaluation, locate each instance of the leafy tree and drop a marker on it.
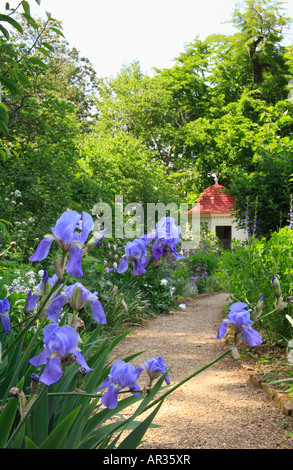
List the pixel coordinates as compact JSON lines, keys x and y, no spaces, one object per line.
{"x":12,"y":77}
{"x":253,"y":57}
{"x":121,"y":164}
{"x":155,"y":109}
{"x":40,"y":153}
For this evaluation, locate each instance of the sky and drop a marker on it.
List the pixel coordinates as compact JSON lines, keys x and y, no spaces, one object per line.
{"x":111,"y":33}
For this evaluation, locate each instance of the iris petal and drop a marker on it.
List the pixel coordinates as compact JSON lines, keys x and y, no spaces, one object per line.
{"x":157,"y":250}
{"x":73,"y":266}
{"x":138,"y":268}
{"x":42,"y":249}
{"x":65,"y":226}
{"x":123,"y":264}
{"x":106,"y":383}
{"x":56,"y":307}
{"x":68,"y":337}
{"x":110,"y":398}
{"x":87,"y":227}
{"x":98,"y":311}
{"x":53,"y":372}
{"x":5,"y":320}
{"x":4,"y":306}
{"x":223,"y":329}
{"x":81,"y":361}
{"x":251,"y":336}
{"x":40,"y":359}
{"x":31,"y":301}
{"x":238,"y":307}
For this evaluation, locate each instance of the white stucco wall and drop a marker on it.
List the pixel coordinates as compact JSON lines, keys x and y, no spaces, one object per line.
{"x":213,"y":220}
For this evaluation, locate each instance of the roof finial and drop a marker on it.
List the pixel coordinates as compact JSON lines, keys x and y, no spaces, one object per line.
{"x":215,"y":176}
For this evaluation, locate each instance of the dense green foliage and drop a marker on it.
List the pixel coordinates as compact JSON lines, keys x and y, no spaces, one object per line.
{"x":247,"y":272}
{"x":69,"y":138}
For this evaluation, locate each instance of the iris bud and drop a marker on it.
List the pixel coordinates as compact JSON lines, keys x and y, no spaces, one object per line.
{"x":14,"y":392}
{"x":259,"y":308}
{"x":277,"y":286}
{"x":96,"y":239}
{"x":279,"y":304}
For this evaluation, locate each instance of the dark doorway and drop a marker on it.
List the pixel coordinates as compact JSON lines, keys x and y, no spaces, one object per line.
{"x":223,"y":232}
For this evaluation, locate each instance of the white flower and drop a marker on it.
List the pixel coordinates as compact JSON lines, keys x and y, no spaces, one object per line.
{"x":172,"y":290}
{"x":17,"y":193}
{"x":164,"y":282}
{"x":41,"y":273}
{"x":30,"y":274}
{"x":183,"y":306}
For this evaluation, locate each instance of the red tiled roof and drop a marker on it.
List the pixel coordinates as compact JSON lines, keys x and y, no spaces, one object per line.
{"x":214,"y":201}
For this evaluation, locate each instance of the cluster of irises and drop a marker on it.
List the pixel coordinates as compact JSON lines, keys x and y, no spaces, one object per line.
{"x":164,"y":238}
{"x":61,"y":342}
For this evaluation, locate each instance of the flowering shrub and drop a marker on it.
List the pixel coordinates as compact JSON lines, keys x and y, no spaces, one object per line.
{"x":197,"y":269}
{"x":58,"y":387}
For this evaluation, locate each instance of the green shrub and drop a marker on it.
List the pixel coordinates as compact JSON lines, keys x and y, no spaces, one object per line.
{"x":246,"y":273}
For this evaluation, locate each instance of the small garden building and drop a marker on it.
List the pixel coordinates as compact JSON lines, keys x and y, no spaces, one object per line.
{"x":217,"y":213}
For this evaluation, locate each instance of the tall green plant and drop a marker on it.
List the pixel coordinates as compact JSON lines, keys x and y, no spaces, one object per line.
{"x":246,"y":272}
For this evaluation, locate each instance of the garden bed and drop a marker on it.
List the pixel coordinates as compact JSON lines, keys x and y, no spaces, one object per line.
{"x":268,"y":370}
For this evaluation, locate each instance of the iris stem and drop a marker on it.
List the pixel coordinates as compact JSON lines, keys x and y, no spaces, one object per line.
{"x":3,"y":252}
{"x":26,"y":416}
{"x":74,"y":394}
{"x":263,"y":316}
{"x":24,"y":358}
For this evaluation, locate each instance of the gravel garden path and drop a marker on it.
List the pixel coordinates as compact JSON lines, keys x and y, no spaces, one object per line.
{"x":217,"y":409}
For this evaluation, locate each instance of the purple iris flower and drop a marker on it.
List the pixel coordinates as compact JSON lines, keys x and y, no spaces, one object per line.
{"x":121,"y":375}
{"x":239,"y":320}
{"x":68,"y":239}
{"x":166,"y":237}
{"x":31,"y":301}
{"x":60,"y":342}
{"x":155,"y":367}
{"x":4,"y":315}
{"x":45,"y":286}
{"x":135,"y":251}
{"x":47,"y":283}
{"x":77,"y":296}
